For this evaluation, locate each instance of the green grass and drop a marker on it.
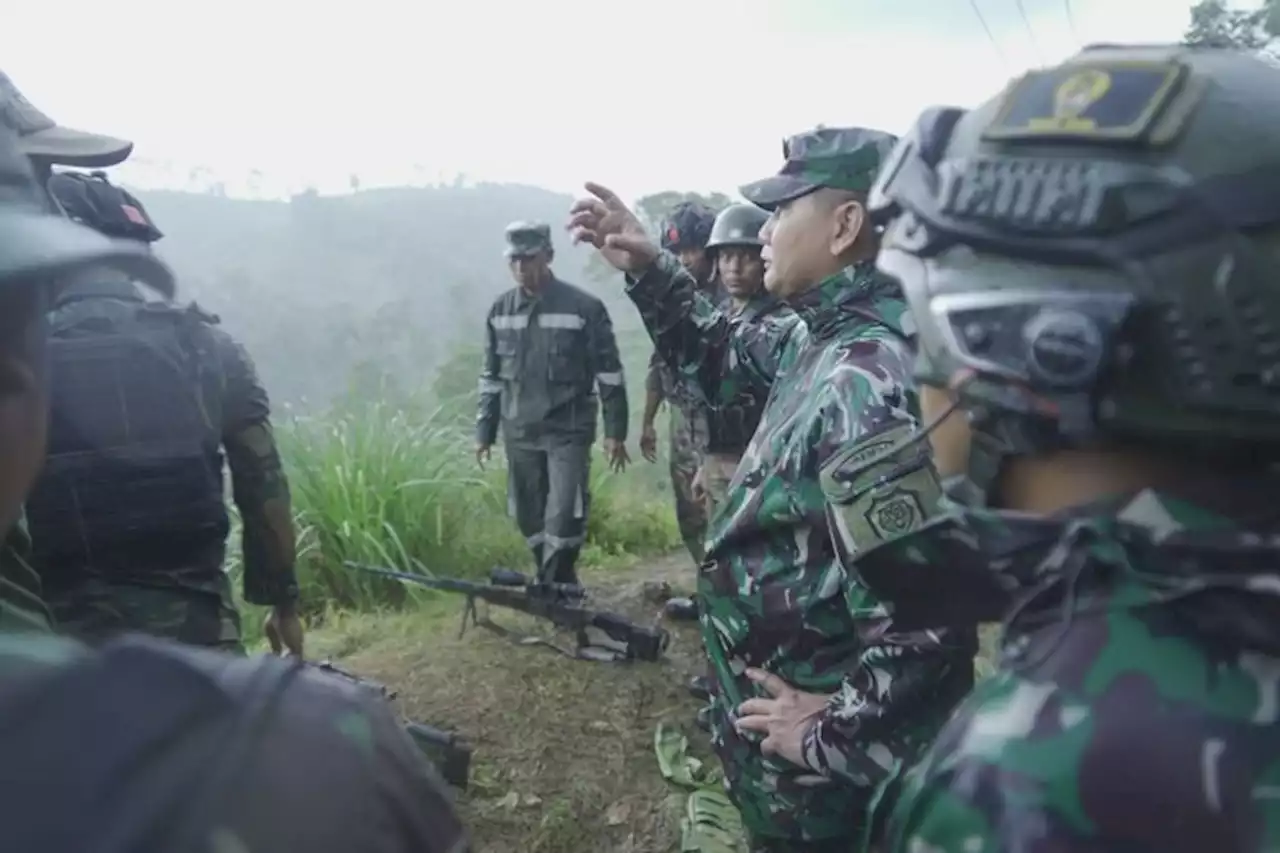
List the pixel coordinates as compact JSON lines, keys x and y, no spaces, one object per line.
{"x":397,"y":485}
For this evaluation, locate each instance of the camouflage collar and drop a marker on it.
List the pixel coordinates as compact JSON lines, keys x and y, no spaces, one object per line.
{"x":820,"y":307}
{"x":760,"y":304}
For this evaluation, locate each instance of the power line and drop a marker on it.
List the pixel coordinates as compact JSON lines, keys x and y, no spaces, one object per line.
{"x":1031,"y":33}
{"x":1071,"y":21}
{"x":1004,"y":60}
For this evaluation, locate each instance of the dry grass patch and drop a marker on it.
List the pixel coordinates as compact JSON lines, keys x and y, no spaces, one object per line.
{"x":563,"y":748}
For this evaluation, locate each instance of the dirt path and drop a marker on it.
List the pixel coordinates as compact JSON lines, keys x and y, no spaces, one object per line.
{"x":564,"y":749}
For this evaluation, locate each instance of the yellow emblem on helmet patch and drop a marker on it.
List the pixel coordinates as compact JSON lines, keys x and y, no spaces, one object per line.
{"x":1112,"y":102}
{"x":1074,"y":96}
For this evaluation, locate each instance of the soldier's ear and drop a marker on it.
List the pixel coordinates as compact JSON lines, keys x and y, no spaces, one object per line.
{"x":850,"y":217}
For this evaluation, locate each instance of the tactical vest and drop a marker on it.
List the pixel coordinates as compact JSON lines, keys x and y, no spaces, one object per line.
{"x":133,"y":481}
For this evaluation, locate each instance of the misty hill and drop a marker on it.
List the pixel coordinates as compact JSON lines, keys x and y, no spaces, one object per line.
{"x":378,"y":285}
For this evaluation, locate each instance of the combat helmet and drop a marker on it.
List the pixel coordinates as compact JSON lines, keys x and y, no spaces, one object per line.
{"x":1091,"y":258}
{"x":687,"y":226}
{"x":738,"y":225}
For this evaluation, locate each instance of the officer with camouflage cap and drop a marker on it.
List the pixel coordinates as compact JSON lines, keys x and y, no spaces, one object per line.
{"x":220,"y":753}
{"x":45,"y":143}
{"x":818,"y":697}
{"x":128,"y":519}
{"x":1091,"y":258}
{"x":683,"y":232}
{"x":547,"y":346}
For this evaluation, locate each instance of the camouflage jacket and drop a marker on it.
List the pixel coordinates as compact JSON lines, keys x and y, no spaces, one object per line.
{"x":21,"y":606}
{"x":1134,"y":706}
{"x":730,"y":427}
{"x":815,"y":484}
{"x":274,"y":756}
{"x":665,"y":382}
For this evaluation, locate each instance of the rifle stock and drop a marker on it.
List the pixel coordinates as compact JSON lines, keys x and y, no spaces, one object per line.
{"x":448,"y":752}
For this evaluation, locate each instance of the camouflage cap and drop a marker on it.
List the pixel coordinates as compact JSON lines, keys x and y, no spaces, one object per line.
{"x":42,"y":137}
{"x":37,"y":245}
{"x":528,"y":238}
{"x":842,"y":158}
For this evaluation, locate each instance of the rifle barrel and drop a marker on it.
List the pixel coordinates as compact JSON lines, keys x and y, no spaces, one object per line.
{"x":446,"y":584}
{"x":532,"y":588}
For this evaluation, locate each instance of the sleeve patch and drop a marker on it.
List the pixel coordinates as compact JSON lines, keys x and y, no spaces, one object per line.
{"x":882,"y":488}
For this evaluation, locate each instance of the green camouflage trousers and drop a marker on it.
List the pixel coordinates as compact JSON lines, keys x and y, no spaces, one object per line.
{"x":94,"y":610}
{"x":688,"y":437}
{"x":717,"y":472}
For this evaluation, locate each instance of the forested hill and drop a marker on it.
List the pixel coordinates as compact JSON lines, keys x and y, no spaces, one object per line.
{"x":377,"y":285}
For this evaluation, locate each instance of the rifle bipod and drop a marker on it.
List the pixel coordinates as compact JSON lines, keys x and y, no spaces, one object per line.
{"x":584,"y":650}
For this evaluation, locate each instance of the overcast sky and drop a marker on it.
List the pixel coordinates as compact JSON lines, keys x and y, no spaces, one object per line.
{"x":688,"y":94}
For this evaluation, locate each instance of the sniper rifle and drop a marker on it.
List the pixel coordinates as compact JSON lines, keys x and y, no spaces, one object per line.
{"x":600,"y":635}
{"x":450,"y":754}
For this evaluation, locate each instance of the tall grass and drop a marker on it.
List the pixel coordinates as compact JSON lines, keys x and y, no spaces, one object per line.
{"x":391,"y":479}
{"x":398,"y":486}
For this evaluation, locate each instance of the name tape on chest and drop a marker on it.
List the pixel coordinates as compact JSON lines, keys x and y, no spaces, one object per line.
{"x":1105,"y":102}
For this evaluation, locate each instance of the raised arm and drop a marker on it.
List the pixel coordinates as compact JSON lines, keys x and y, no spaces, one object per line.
{"x":715,"y":358}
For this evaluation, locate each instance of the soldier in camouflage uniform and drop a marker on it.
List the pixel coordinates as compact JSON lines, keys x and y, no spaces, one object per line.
{"x":734,"y":250}
{"x":684,"y":233}
{"x":1091,"y":258}
{"x":128,"y":518}
{"x":221,"y":754}
{"x":778,"y":606}
{"x":45,"y":143}
{"x":548,"y":346}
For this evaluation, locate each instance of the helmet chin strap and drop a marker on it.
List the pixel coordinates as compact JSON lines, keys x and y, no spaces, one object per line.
{"x":987,"y":452}
{"x":987,"y":448}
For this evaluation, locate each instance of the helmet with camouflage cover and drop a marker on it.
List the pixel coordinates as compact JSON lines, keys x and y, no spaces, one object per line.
{"x":687,"y":226}
{"x":1090,"y":257}
{"x":738,"y":225}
